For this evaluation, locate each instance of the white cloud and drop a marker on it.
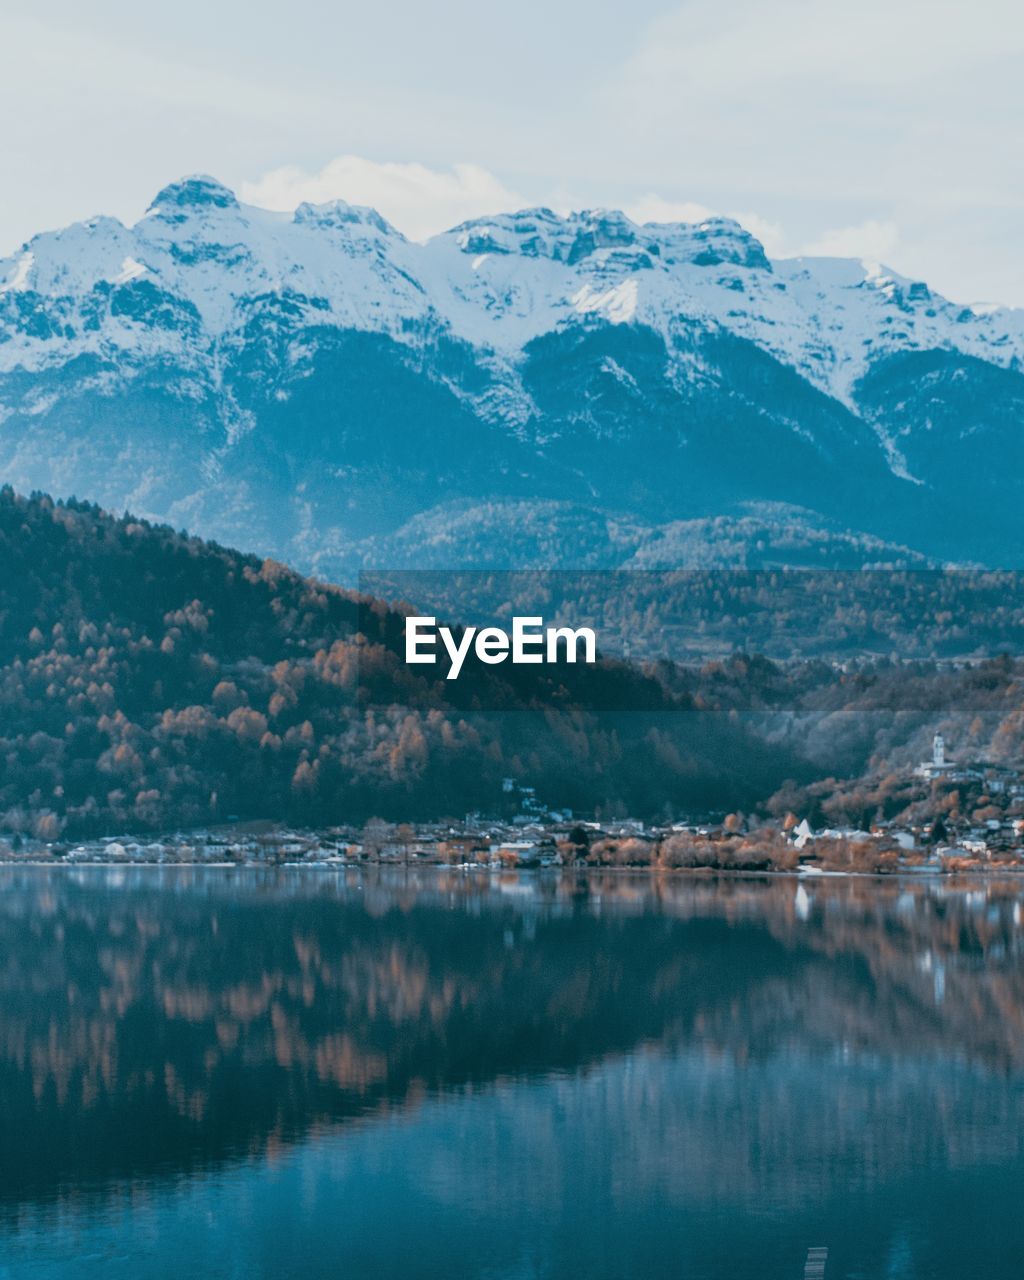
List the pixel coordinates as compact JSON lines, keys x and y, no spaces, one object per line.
{"x":871,"y":239}
{"x":418,"y":200}
{"x":654,"y":208}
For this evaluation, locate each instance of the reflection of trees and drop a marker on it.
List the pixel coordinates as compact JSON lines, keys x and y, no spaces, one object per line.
{"x":144,"y":1030}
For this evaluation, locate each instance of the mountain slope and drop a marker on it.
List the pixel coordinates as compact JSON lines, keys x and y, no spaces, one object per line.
{"x":308,"y":384}
{"x":150,"y":680}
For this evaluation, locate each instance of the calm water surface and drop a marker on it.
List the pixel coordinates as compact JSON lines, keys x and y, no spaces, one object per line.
{"x":433,"y":1074}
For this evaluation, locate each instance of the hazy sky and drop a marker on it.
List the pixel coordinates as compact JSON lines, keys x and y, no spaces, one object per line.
{"x":889,"y":129}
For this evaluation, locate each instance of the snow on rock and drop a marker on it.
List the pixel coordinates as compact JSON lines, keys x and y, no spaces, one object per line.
{"x":188,"y":276}
{"x":18,"y":276}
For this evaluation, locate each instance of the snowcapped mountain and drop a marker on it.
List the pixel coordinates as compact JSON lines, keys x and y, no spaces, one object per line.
{"x":317,"y":387}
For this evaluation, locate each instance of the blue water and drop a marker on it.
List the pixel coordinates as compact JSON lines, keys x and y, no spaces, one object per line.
{"x":249,"y":1074}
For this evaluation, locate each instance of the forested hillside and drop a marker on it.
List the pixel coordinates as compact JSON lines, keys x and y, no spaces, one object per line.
{"x":150,"y":680}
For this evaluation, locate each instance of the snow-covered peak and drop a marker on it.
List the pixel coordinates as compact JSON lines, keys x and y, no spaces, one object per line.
{"x":529,"y":233}
{"x":335,"y":214}
{"x":208,"y":256}
{"x":864,"y":309}
{"x":198,"y":191}
{"x":70,"y":261}
{"x":598,"y":234}
{"x":497,"y":283}
{"x":709,"y":243}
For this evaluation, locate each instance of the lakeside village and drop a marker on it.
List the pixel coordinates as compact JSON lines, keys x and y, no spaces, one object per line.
{"x":986,"y":833}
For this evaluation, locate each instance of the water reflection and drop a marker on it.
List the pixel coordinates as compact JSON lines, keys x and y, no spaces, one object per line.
{"x":652,"y":1077}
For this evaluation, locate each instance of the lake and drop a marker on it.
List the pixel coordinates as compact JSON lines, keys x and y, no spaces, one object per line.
{"x":398,"y":1073}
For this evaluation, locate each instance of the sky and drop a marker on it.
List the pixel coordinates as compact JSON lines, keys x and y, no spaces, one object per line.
{"x":883,"y":129}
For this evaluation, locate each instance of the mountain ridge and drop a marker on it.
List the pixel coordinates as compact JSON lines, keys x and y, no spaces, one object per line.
{"x":611,"y":246}
{"x":306,"y":384}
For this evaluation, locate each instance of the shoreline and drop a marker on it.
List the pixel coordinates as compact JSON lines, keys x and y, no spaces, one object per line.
{"x":698,"y":873}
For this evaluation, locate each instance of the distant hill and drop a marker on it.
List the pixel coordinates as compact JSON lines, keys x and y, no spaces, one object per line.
{"x":526,"y":389}
{"x":690,"y":616}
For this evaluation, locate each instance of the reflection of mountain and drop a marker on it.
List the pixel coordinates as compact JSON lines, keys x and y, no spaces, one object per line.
{"x":146,"y":1031}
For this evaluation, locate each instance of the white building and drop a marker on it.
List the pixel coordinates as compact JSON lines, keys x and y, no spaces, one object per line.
{"x":938,"y":765}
